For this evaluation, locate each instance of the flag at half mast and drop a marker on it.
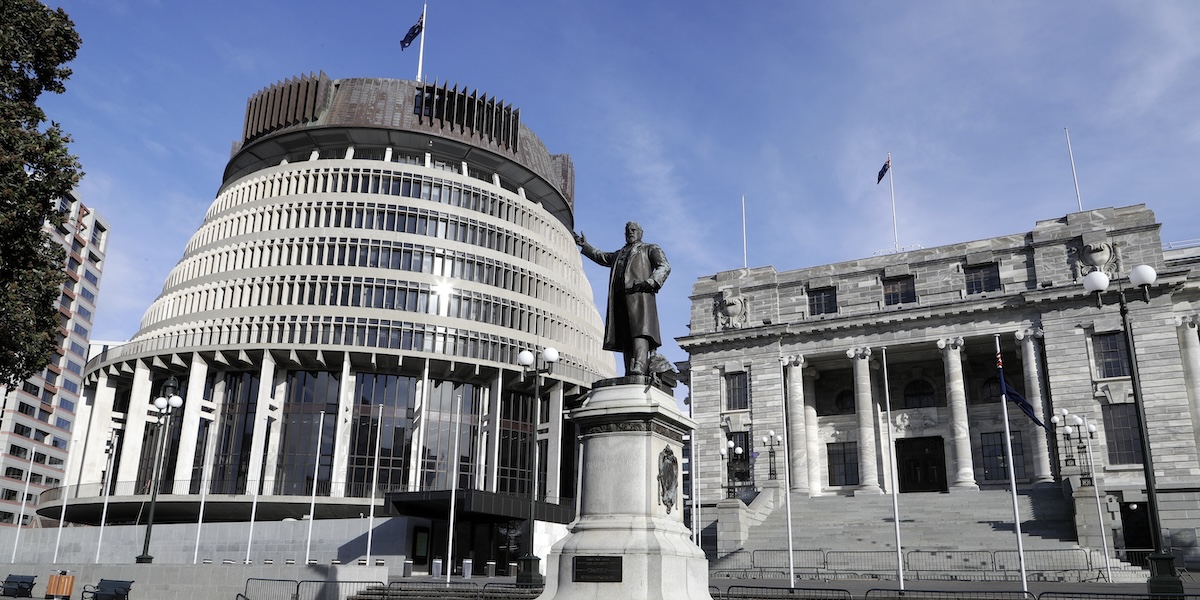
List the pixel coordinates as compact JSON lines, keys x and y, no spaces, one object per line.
{"x":887,"y":165}
{"x":413,"y":32}
{"x":1016,"y":398}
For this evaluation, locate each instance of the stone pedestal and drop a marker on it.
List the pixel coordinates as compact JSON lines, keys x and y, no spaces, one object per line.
{"x":629,"y":541}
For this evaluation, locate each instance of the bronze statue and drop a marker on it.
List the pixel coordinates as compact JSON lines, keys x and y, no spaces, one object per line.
{"x":638,"y":271}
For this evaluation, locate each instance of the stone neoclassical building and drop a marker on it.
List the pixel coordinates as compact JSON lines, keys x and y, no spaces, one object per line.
{"x":801,"y":353}
{"x":378,"y":254}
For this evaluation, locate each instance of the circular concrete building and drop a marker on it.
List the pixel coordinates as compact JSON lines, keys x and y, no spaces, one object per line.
{"x":378,"y":254}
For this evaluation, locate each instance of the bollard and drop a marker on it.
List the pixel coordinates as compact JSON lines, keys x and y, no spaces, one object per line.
{"x":437,"y":568}
{"x":490,"y":568}
{"x":467,"y":566}
{"x":512,"y":569}
{"x":406,"y":571}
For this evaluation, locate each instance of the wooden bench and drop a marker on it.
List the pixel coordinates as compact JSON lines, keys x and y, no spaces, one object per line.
{"x":18,"y":586}
{"x":108,"y":589}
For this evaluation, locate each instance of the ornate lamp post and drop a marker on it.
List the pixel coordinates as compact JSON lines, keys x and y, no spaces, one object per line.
{"x":1087,"y":474}
{"x":1162,"y":565}
{"x":530,"y":565}
{"x":730,"y":454}
{"x":770,"y":441}
{"x":166,"y":402}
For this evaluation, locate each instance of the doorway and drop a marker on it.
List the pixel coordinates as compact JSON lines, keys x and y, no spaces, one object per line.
{"x":921,"y":464}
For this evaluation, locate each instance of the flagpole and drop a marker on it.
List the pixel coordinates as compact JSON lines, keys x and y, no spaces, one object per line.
{"x":62,"y":511}
{"x":787,"y":466}
{"x":454,"y":488}
{"x":1012,"y":477}
{"x":1078,"y":198}
{"x":892,"y":185}
{"x":421,"y":54}
{"x":109,"y":449}
{"x":24,"y":496}
{"x":887,"y":398}
{"x":745,"y":263}
{"x":374,"y":482}
{"x":205,"y":473}
{"x":312,"y":504}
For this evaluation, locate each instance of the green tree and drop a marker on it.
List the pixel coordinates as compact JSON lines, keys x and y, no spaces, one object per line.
{"x":36,"y":170}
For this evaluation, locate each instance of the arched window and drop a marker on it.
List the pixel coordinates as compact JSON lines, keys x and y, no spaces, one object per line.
{"x":919,"y":394}
{"x":989,"y":393}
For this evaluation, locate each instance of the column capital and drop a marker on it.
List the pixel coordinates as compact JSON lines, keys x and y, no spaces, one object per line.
{"x":954,"y":343}
{"x":792,"y":360}
{"x":1029,"y":333}
{"x":858,"y":353}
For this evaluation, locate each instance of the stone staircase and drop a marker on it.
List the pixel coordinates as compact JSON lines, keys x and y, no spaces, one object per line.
{"x":929,"y":522}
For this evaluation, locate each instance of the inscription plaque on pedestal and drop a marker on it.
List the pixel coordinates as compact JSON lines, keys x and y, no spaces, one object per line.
{"x":596,"y":569}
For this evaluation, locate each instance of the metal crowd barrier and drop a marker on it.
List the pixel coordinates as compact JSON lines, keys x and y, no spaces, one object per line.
{"x":289,"y":589}
{"x":745,"y":592}
{"x":1068,"y":564}
{"x":947,"y":595}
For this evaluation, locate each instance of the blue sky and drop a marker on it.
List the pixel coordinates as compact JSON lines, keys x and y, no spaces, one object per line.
{"x":672,"y":111}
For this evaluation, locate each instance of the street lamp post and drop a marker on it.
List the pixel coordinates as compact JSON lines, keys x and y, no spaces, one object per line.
{"x":167,"y":401}
{"x":1163,"y":578}
{"x":770,"y":441}
{"x":530,"y":565}
{"x":729,"y":454}
{"x":1087,"y":471}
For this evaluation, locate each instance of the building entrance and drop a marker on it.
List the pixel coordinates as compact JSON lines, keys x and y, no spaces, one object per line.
{"x":921,"y":464}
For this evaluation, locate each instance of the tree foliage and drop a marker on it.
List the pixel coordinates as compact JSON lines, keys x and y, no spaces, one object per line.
{"x":36,"y":170}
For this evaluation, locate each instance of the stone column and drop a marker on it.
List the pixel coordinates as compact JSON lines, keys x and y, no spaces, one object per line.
{"x":1033,"y":393}
{"x":956,"y":398}
{"x":342,"y":422}
{"x":812,"y":431}
{"x":190,"y":427}
{"x":864,"y":409}
{"x":266,"y":386}
{"x":797,"y":459}
{"x":141,"y":399}
{"x":1189,"y":344}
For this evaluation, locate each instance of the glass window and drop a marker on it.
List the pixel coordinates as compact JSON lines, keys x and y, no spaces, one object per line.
{"x":1112,"y":356}
{"x":1121,"y":431}
{"x":822,"y":301}
{"x":983,"y":278}
{"x":843,"y":463}
{"x":994,"y":466}
{"x":899,"y":290}
{"x":91,"y":277}
{"x":737,"y":391}
{"x":919,"y":394}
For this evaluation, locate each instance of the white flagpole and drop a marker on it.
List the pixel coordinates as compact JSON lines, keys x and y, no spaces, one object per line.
{"x":24,"y":495}
{"x":745,"y":263}
{"x":1012,"y":477}
{"x":892,"y":185}
{"x":887,"y":398}
{"x":787,"y":468}
{"x":454,"y":457}
{"x":62,"y":511}
{"x":109,"y":449}
{"x":205,"y":469}
{"x":258,"y":489}
{"x":421,"y":55}
{"x":1078,"y":198}
{"x":374,"y":483}
{"x":312,"y":504}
